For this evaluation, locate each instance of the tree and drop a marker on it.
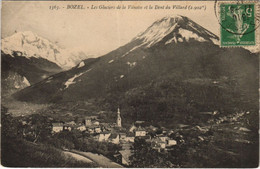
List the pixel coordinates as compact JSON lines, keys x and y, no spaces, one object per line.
{"x":145,"y":156}
{"x":41,"y":127}
{"x":10,"y":125}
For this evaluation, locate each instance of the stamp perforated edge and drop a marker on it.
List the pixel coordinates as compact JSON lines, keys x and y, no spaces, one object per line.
{"x":256,"y":18}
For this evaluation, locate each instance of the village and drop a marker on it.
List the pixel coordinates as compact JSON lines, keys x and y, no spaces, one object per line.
{"x":115,"y":133}
{"x":113,"y":139}
{"x":120,"y":141}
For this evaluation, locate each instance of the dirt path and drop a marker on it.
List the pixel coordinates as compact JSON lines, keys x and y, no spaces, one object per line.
{"x":99,"y":159}
{"x":78,"y":157}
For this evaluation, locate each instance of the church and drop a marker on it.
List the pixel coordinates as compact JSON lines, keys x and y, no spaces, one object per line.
{"x":119,"y":120}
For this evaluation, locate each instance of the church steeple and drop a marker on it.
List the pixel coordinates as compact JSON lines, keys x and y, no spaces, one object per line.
{"x":118,"y":121}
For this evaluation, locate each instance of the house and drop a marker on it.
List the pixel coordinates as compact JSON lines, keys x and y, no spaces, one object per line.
{"x":95,"y":122}
{"x":153,"y":128}
{"x":67,"y":127}
{"x":132,"y":128}
{"x":171,"y":142}
{"x":140,"y":132}
{"x":206,"y":113}
{"x":103,"y":136}
{"x":114,"y":138}
{"x":88,"y":121}
{"x":164,"y":130}
{"x":24,"y":122}
{"x":163,"y":138}
{"x":122,"y":136}
{"x":156,"y":147}
{"x":71,"y":123}
{"x":106,"y":126}
{"x":210,"y":113}
{"x":136,"y":125}
{"x":170,"y":132}
{"x":90,"y":130}
{"x":112,"y":125}
{"x":158,"y":144}
{"x":57,"y":127}
{"x":139,"y":122}
{"x":81,"y":128}
{"x":97,"y":129}
{"x":130,"y":137}
{"x":93,"y":117}
{"x":125,"y":155}
{"x":94,"y":129}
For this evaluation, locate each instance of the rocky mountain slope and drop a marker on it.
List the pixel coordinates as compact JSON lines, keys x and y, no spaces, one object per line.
{"x":33,"y":58}
{"x":175,"y":65}
{"x":14,"y":68}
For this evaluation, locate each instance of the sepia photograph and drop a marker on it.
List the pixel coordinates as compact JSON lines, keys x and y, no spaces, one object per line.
{"x":130,"y":84}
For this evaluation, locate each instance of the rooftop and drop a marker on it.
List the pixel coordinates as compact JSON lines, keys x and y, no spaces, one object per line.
{"x":140,"y":129}
{"x":57,"y":124}
{"x":139,"y":122}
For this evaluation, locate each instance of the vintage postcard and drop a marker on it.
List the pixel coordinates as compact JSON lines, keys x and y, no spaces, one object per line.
{"x":130,"y":84}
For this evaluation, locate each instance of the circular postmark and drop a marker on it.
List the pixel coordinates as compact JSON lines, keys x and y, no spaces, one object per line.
{"x":238,"y":17}
{"x":239,"y":21}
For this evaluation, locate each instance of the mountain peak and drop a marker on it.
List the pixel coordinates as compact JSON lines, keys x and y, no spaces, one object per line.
{"x":23,"y":34}
{"x":174,"y":18}
{"x":177,"y":25}
{"x":159,"y":29}
{"x":170,"y":18}
{"x":29,"y":44}
{"x":28,"y":34}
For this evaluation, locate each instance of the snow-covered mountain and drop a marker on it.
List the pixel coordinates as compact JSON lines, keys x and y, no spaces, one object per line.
{"x":29,"y":44}
{"x":13,"y":82}
{"x":179,"y":27}
{"x":172,"y":30}
{"x":174,"y":48}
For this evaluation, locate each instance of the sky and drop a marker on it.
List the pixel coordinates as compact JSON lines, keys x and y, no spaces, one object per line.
{"x":95,"y":31}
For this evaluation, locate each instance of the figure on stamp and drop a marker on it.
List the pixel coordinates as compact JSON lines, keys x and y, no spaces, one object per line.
{"x":238,"y":17}
{"x":237,"y":24}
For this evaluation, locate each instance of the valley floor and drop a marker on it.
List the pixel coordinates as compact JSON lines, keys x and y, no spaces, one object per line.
{"x":227,"y":140}
{"x":18,"y":108}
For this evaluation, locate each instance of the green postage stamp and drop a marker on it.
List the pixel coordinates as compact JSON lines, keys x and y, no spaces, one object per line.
{"x":237,"y":24}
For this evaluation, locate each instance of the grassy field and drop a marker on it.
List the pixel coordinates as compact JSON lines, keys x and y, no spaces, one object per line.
{"x":100,"y":159}
{"x":20,"y":153}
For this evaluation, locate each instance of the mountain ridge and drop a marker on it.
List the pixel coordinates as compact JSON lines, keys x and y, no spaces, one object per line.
{"x":191,"y":63}
{"x":29,"y":44}
{"x":171,"y":24}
